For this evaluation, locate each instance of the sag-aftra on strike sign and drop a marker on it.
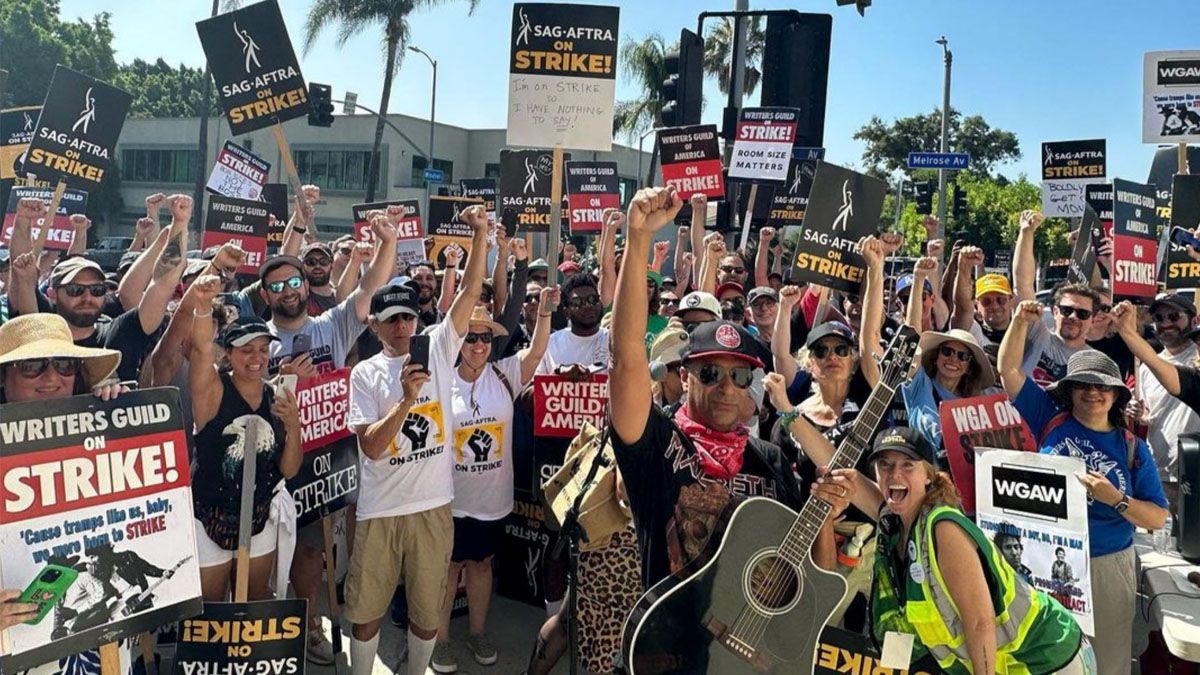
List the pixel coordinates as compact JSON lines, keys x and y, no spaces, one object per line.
{"x":77,"y":130}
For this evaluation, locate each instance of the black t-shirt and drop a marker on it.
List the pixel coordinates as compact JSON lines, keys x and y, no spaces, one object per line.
{"x":676,"y":508}
{"x":122,"y":332}
{"x":1189,"y":387}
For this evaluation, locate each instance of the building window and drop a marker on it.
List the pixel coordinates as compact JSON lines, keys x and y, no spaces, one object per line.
{"x":418,"y":170}
{"x":627,"y":187}
{"x":334,"y":169}
{"x":158,"y":166}
{"x":491,"y":170}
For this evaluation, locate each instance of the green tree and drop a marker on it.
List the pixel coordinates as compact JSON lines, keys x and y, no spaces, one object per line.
{"x":642,"y":62}
{"x":161,"y":90}
{"x":33,"y":39}
{"x":355,"y":16}
{"x":888,"y":144}
{"x":718,"y":51}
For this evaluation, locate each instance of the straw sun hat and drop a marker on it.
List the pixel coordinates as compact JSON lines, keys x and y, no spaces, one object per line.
{"x":41,"y":335}
{"x":481,"y":317}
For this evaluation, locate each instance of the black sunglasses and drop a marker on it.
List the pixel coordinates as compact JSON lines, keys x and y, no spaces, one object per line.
{"x":318,"y":260}
{"x":821,"y":351}
{"x":472,"y":338}
{"x":730,"y":269}
{"x":75,"y":290}
{"x":576,"y":303}
{"x":1169,"y":317}
{"x":291,"y":282}
{"x":1068,"y":311}
{"x":711,"y":374}
{"x":1089,"y":386}
{"x":961,"y":355}
{"x":34,"y":368}
{"x":532,"y":297}
{"x":690,"y":326}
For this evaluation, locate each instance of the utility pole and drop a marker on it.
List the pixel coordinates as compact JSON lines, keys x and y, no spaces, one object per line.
{"x":200,"y":168}
{"x":432,"y":103}
{"x":948,"y":58}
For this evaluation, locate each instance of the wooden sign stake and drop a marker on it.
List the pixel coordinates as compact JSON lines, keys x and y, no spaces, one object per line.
{"x":241,"y":591}
{"x":110,"y":659}
{"x":555,"y":228}
{"x":147,"y":642}
{"x":44,"y":230}
{"x":749,"y":214}
{"x":289,"y":165}
{"x":1183,"y":158}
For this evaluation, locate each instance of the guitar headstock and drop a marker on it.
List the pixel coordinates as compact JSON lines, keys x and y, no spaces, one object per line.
{"x":898,"y":359}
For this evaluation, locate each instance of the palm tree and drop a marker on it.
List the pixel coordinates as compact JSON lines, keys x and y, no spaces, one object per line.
{"x":355,"y":16}
{"x":643,"y":62}
{"x":718,"y":50}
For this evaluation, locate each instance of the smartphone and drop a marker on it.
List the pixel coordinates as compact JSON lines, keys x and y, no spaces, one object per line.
{"x":301,"y":344}
{"x":418,"y":351}
{"x":47,"y":589}
{"x":509,"y":219}
{"x":1184,"y":238}
{"x":285,"y":383}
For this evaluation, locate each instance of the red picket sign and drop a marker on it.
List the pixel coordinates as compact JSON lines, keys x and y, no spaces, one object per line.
{"x":324,"y":401}
{"x":980,"y":422}
{"x":561,"y":406}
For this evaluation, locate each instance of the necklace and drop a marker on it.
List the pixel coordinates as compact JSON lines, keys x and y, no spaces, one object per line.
{"x":474,"y":379}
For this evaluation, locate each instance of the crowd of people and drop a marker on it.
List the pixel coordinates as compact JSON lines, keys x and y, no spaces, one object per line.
{"x":726,"y":379}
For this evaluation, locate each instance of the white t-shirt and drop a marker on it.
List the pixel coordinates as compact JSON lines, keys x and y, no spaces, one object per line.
{"x":414,"y":474}
{"x":332,"y":334}
{"x":566,"y":348}
{"x":1169,"y":417}
{"x":483,"y":466}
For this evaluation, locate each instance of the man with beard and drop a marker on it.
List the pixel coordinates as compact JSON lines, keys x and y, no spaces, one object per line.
{"x":989,"y":298}
{"x":318,"y":266}
{"x":427,"y":291}
{"x":1167,"y":416}
{"x":331,"y":335}
{"x":732,"y":270}
{"x":585,"y":342}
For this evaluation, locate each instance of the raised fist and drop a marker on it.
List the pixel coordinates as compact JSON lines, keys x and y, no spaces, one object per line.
{"x":480,"y":443}
{"x":1031,"y":220}
{"x":416,"y":430}
{"x":652,"y":208}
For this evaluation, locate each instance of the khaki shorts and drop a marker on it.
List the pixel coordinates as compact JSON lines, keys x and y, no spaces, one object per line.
{"x":417,"y":547}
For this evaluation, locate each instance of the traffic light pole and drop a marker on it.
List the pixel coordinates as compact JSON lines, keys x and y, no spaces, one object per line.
{"x":942,"y":197}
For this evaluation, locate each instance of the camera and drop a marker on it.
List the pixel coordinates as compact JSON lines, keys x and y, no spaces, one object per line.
{"x":50,"y":576}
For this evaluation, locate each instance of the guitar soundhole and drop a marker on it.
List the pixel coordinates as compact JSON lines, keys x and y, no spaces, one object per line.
{"x":773,"y":582}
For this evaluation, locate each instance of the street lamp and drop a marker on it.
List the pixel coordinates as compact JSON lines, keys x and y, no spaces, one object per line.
{"x":432,"y":102}
{"x":947,"y":57}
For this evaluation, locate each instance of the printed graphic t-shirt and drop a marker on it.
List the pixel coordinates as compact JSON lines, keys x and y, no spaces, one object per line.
{"x":1046,"y":354}
{"x":414,"y":473}
{"x":566,"y":348}
{"x":676,"y":508}
{"x":483,"y":466}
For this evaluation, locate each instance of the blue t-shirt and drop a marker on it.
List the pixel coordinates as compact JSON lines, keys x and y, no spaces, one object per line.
{"x":1103,"y":452}
{"x":923,"y":404}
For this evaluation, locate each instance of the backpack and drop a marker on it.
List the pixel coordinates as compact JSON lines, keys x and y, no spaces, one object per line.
{"x":1131,"y":441}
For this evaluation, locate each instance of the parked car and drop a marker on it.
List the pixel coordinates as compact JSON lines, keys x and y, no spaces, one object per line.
{"x":108,"y":252}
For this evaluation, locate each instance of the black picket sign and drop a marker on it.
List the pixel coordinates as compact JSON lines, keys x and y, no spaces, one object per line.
{"x":77,"y":131}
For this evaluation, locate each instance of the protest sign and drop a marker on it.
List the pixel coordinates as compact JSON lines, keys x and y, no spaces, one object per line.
{"x":98,"y":513}
{"x":525,"y":177}
{"x":276,"y":197}
{"x":244,"y":638}
{"x":592,"y":188}
{"x":1067,"y":168}
{"x":240,"y":221}
{"x":979,"y":422}
{"x":1171,"y":97}
{"x":1135,"y":240}
{"x":328,"y":478}
{"x":561,"y":406}
{"x":61,"y":234}
{"x":691,"y":161}
{"x":843,"y":652}
{"x":562,"y":75}
{"x":1036,"y":498}
{"x":762,"y":145}
{"x":764,"y":202}
{"x":791,"y":201}
{"x":252,"y":61}
{"x":1180,"y":270}
{"x":1162,"y":171}
{"x":323,"y":402}
{"x":410,"y":242}
{"x":77,"y":131}
{"x":523,"y":555}
{"x":447,"y":229}
{"x":17,"y":126}
{"x":844,"y":206}
{"x":481,"y":188}
{"x":238,"y":173}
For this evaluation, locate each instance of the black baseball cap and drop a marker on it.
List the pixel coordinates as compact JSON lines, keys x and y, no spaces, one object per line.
{"x":762,"y":292}
{"x":905,"y":440}
{"x":1175,"y":300}
{"x":244,"y":330}
{"x":830,"y":328}
{"x":278,"y":261}
{"x":394,"y":299}
{"x":721,"y":338}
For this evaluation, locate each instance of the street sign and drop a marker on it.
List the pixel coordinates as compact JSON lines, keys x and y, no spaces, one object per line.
{"x":435,"y":175}
{"x":350,"y":103}
{"x":938,"y":160}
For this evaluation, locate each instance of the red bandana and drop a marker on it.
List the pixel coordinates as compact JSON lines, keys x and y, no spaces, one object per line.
{"x":720,"y":452}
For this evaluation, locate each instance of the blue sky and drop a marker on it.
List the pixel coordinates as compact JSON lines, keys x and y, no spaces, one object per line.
{"x":1054,"y":70}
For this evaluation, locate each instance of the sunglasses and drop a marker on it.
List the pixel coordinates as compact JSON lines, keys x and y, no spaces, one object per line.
{"x":730,"y":269}
{"x":821,"y":351}
{"x":76,"y":290}
{"x":1169,"y":317}
{"x":400,"y":317}
{"x":1104,"y":309}
{"x":291,"y":282}
{"x":318,"y":261}
{"x":532,"y":297}
{"x":576,"y":303}
{"x":1068,"y":311}
{"x":34,"y":368}
{"x":711,"y":374}
{"x":485,"y":338}
{"x":964,"y":356}
{"x":690,"y":326}
{"x":1091,"y":386}
{"x":994,"y":302}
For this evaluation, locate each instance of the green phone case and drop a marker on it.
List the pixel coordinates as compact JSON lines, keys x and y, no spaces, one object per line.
{"x":47,"y":589}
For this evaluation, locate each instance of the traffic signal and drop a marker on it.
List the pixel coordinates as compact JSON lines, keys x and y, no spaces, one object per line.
{"x":924,"y":194}
{"x":796,"y":70}
{"x":320,"y":105}
{"x":683,"y":90}
{"x":960,"y":202}
{"x":860,"y":5}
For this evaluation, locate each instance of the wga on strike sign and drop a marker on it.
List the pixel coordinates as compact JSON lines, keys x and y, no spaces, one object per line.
{"x":323,"y":402}
{"x":240,"y":221}
{"x":560,"y":406}
{"x":80,"y":122}
{"x":592,"y":188}
{"x":762,"y":146}
{"x":1135,"y":240}
{"x":691,"y":161}
{"x":979,"y":422}
{"x":61,"y":234}
{"x":238,"y":173}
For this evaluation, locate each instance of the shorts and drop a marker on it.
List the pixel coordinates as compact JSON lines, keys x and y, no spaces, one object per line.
{"x":416,"y":547}
{"x":476,"y":540}
{"x":211,"y":554}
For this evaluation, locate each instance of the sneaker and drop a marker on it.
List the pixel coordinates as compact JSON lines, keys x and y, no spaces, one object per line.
{"x":482,"y":649}
{"x":320,"y":649}
{"x":443,"y":660}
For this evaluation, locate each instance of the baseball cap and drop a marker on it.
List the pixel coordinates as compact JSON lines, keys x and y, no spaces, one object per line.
{"x":669,"y":346}
{"x":722,"y":338}
{"x":730,"y":286}
{"x":244,"y":330}
{"x":667,"y":280}
{"x":316,"y":246}
{"x":394,"y":299}
{"x":1175,"y":300}
{"x":570,"y":267}
{"x":905,"y":440}
{"x":539,"y":264}
{"x":127,"y":260}
{"x":66,"y":271}
{"x":992,"y":283}
{"x":278,"y":261}
{"x":830,"y":328}
{"x":907,"y":280}
{"x":702,"y":301}
{"x":194,"y":266}
{"x":762,"y":292}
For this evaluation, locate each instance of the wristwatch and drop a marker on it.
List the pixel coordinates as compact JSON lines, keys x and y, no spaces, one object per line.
{"x":1123,"y":504}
